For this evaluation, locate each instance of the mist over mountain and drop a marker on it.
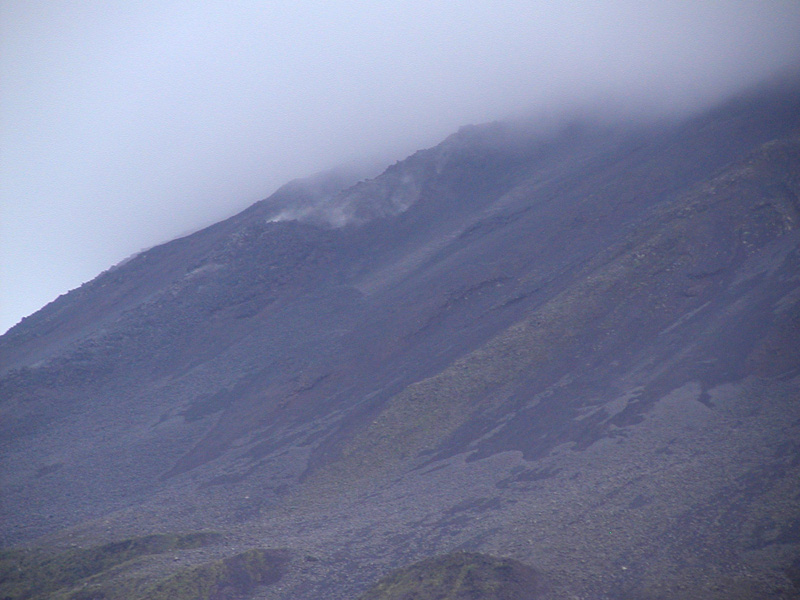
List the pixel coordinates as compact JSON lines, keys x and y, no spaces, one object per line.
{"x":127,"y":124}
{"x":526,"y":362}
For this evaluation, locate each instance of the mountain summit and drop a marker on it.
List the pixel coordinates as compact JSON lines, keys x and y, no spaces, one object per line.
{"x":574,"y":348}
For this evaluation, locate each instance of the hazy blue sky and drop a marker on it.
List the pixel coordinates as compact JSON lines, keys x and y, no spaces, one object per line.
{"x":128,"y":123}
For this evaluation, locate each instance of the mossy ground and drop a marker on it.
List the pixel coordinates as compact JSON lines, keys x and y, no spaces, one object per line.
{"x":459,"y":576}
{"x":235,"y":576}
{"x":99,"y":573}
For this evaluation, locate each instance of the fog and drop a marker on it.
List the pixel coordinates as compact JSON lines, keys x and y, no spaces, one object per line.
{"x":125,"y":124}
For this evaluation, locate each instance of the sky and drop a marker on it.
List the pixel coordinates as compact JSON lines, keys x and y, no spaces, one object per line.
{"x":126,"y":124}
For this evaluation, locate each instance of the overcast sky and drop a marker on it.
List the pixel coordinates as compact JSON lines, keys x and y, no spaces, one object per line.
{"x":125,"y":124}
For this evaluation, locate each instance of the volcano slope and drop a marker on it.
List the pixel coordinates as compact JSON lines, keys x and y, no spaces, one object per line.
{"x":576,"y":348}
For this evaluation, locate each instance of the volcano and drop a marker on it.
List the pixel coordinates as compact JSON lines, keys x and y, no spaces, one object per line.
{"x":567,"y":355}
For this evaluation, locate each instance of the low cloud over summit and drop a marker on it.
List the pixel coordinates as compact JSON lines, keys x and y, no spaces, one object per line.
{"x":127,"y":124}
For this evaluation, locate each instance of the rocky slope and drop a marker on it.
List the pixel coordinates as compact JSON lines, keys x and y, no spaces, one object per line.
{"x":574,"y":348}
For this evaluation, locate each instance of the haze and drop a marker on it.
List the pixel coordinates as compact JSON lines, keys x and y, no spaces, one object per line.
{"x":127,"y":124}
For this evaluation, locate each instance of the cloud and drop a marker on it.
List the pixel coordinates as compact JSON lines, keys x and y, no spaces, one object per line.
{"x":127,"y":123}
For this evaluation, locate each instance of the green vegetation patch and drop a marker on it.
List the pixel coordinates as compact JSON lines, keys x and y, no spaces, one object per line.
{"x":233,"y":577}
{"x":459,"y":576}
{"x":38,"y":573}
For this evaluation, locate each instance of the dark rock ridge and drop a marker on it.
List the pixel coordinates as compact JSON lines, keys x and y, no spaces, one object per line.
{"x":575,"y":348}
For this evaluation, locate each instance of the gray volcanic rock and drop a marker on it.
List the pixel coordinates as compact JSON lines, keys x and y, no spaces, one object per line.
{"x":575,"y":348}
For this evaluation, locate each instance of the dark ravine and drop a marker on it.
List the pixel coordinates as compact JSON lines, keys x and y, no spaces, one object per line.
{"x":570,"y":356}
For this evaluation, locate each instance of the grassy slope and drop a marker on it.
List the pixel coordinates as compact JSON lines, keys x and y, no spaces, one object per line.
{"x":115,"y":571}
{"x":459,"y":576}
